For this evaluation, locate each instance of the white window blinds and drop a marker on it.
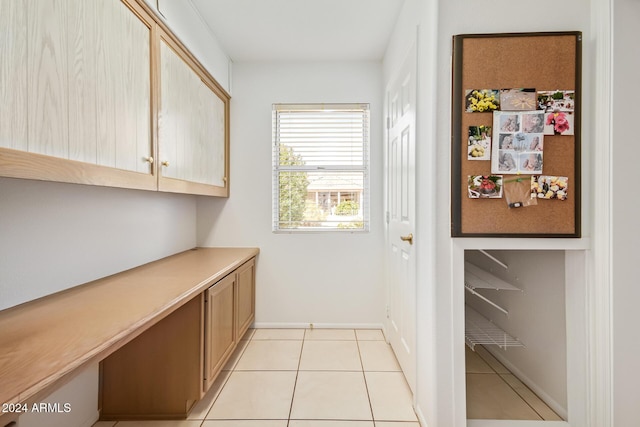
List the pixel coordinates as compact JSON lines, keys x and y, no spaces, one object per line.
{"x":320,"y":167}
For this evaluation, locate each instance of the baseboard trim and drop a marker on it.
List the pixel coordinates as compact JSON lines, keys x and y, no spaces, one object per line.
{"x":301,"y":325}
{"x":92,"y":420}
{"x":421,"y":419}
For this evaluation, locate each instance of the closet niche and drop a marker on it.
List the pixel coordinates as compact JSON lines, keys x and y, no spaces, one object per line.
{"x":515,"y":334}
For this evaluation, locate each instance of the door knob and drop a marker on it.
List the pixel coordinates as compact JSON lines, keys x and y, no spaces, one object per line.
{"x":407,"y":238}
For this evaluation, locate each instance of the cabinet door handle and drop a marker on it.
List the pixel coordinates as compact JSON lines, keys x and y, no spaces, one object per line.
{"x":149,"y":160}
{"x":165,"y":163}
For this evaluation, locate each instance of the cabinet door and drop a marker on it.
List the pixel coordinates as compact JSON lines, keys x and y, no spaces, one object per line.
{"x":75,"y":102}
{"x":245,"y":297}
{"x":219,"y":327}
{"x":192,"y":126}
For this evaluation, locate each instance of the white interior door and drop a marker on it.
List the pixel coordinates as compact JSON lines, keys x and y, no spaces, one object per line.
{"x":400,"y":243}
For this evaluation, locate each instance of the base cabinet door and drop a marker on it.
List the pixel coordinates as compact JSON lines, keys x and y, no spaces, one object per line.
{"x":245,"y":298}
{"x":220,"y":327}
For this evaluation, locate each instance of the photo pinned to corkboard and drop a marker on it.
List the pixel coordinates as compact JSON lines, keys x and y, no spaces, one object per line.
{"x":481,"y":100}
{"x":533,"y":110}
{"x":521,"y":99}
{"x":549,"y":187}
{"x":485,"y":186}
{"x":479,"y":141}
{"x":520,"y":145}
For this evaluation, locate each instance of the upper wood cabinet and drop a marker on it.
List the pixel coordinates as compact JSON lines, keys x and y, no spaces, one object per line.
{"x":192,"y":125}
{"x":88,"y":89}
{"x":75,"y":92}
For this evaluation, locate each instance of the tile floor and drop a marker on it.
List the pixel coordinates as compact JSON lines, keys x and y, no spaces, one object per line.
{"x":304,"y":378}
{"x":495,"y":393}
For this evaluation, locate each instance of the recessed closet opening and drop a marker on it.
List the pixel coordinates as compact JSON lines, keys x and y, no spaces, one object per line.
{"x":516,"y":335}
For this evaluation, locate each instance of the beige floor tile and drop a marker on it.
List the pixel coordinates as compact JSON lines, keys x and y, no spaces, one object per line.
{"x":476,"y":364}
{"x":369,"y":335}
{"x":330,"y":334}
{"x":330,"y":395}
{"x":278,"y":334}
{"x":397,"y":424}
{"x":270,"y":355}
{"x":255,"y":395}
{"x":245,"y":423}
{"x":325,"y":423}
{"x":491,"y":360}
{"x":237,"y":353}
{"x":330,"y":356}
{"x":489,"y":397}
{"x":163,"y":423}
{"x":201,"y":409}
{"x":531,"y":398}
{"x":390,"y":396}
{"x":377,"y":356}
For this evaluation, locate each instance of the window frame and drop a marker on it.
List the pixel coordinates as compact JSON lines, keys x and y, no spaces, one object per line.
{"x":364,"y":169}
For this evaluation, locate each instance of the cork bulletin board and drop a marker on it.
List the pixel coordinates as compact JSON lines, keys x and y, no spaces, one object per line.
{"x":541,"y":69}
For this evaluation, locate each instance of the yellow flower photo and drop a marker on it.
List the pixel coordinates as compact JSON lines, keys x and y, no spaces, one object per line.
{"x":482,"y":100}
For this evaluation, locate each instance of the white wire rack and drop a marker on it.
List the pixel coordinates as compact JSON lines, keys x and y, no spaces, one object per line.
{"x":480,"y":330}
{"x":477,"y":278}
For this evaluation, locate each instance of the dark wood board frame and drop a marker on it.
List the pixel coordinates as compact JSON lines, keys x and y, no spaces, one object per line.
{"x":545,"y":61}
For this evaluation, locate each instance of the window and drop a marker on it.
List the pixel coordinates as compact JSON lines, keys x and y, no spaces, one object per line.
{"x":320,"y":167}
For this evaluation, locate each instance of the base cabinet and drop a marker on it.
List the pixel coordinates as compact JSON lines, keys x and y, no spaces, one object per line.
{"x":220,"y":336}
{"x":163,"y":372}
{"x":245,"y":297}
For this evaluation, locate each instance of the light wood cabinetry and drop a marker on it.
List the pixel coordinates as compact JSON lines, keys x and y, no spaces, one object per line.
{"x":97,"y":91}
{"x":229,"y":311}
{"x":220,"y":320}
{"x":162,"y":373}
{"x":76,"y":92}
{"x":245,"y":297}
{"x":192,"y":123}
{"x":149,"y":320}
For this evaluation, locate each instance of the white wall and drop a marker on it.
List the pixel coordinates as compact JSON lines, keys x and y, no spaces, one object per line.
{"x":625,"y":210}
{"x":56,"y":236}
{"x":324,"y":278}
{"x":440,"y":388}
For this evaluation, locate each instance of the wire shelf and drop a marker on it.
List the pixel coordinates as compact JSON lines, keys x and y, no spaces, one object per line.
{"x":476,"y":277}
{"x":480,"y":330}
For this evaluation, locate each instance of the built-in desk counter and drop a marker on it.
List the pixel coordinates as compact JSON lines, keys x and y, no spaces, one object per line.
{"x":45,"y":341}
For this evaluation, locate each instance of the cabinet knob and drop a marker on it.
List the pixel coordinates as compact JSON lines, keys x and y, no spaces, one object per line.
{"x":165,"y":163}
{"x":149,"y":160}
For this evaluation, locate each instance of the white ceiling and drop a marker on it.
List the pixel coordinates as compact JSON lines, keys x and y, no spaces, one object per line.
{"x":301,"y":30}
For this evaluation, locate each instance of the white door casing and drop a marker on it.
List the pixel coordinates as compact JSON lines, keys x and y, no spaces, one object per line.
{"x":400,"y":252}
